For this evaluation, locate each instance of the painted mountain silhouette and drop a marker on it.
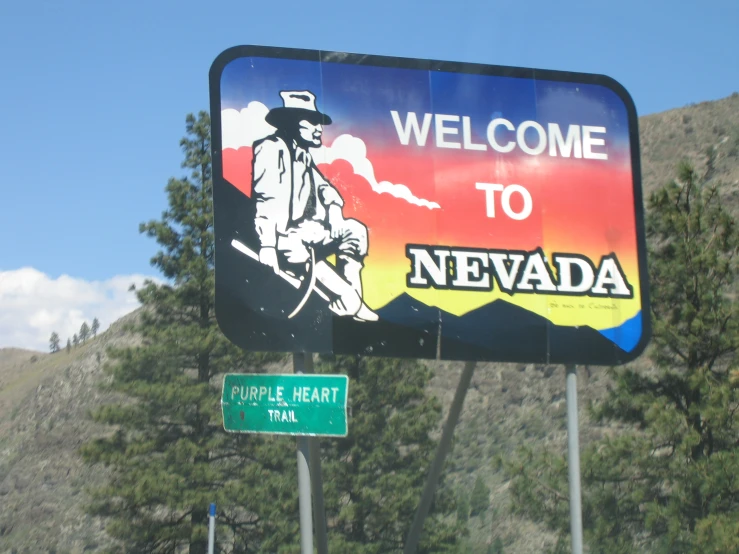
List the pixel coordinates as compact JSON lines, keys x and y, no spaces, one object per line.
{"x":501,"y":331}
{"x":411,"y":332}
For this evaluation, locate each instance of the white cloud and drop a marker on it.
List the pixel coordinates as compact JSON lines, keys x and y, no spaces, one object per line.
{"x":243,"y":128}
{"x":354,"y":151}
{"x":33,"y":305}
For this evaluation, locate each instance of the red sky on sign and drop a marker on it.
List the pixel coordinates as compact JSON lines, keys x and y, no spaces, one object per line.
{"x":579,"y":206}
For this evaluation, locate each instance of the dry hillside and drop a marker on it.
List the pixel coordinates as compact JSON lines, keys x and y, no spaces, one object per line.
{"x":45,"y":400}
{"x":690,"y":132}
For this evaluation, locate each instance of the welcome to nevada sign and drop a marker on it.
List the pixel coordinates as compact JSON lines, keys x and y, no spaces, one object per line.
{"x":403,"y":207}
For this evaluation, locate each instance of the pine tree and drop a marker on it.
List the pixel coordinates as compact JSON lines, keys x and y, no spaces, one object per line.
{"x":170,"y":455}
{"x":95,"y":327}
{"x":75,"y":340}
{"x":375,"y":475}
{"x":69,"y":346}
{"x":667,"y":483}
{"x":84,"y":332}
{"x":54,"y":342}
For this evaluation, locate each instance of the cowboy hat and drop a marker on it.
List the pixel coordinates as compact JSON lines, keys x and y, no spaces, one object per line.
{"x":297,"y":105}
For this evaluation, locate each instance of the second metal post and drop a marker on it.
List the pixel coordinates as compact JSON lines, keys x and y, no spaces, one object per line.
{"x":573,"y":453}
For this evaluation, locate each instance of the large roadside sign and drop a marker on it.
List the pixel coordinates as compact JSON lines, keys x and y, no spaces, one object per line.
{"x":416,"y":208}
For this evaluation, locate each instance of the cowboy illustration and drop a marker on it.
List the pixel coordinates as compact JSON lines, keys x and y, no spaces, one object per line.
{"x":299,"y":214}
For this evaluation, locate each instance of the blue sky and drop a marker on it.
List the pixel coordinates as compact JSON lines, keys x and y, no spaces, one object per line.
{"x":94,"y":94}
{"x":359,"y":98}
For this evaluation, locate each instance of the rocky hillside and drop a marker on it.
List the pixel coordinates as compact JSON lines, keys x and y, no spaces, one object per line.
{"x":692,"y":132}
{"x":45,"y":399}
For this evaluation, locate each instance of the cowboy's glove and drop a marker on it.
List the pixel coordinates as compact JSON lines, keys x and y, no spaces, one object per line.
{"x":268,"y":256}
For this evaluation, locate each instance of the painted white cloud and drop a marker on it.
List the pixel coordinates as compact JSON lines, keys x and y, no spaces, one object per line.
{"x":33,"y":305}
{"x":243,"y":128}
{"x":354,"y":151}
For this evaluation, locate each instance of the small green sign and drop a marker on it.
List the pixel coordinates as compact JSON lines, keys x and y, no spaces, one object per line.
{"x":313,"y":405}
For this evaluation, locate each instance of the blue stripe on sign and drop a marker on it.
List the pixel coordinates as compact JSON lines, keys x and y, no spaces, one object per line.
{"x":626,"y":335}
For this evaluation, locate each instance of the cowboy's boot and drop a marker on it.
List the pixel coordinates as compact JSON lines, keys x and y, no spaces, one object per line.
{"x":352,"y":270}
{"x":348,"y":302}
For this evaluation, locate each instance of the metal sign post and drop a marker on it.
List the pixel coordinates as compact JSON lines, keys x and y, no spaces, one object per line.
{"x":309,"y":477}
{"x":304,"y":499}
{"x":573,"y":455}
